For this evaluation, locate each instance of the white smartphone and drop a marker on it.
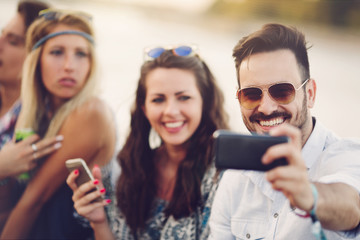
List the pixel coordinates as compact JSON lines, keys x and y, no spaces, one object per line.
{"x":85,"y":174}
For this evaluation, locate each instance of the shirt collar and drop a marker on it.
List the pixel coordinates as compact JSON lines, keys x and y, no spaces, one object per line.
{"x":315,"y":144}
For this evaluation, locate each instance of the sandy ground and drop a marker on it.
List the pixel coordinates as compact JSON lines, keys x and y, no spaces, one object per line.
{"x":123,"y":30}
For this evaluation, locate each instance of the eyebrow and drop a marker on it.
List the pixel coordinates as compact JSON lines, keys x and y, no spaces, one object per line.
{"x":13,"y":35}
{"x":176,"y":94}
{"x":179,"y":93}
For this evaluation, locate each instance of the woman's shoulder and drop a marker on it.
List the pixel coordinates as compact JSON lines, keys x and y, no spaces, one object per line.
{"x":95,"y":110}
{"x":94,"y":105}
{"x":94,"y":115}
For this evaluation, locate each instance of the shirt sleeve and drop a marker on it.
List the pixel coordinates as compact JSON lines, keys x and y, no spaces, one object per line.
{"x":340,"y":163}
{"x":220,"y":218}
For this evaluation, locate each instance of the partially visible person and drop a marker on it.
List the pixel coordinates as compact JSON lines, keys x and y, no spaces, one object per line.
{"x":164,"y":191}
{"x":320,"y":185}
{"x":16,"y":158}
{"x":59,"y":98}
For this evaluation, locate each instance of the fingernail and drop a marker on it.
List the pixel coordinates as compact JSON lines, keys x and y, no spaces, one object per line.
{"x":96,"y":166}
{"x":102,"y":190}
{"x":108,"y":200}
{"x":96,"y":182}
{"x":59,"y":137}
{"x":76,"y":172}
{"x":57,"y":145}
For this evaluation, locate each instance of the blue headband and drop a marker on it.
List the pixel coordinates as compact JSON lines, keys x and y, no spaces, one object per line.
{"x":51,"y":35}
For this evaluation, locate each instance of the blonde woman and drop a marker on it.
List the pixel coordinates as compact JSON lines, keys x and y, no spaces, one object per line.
{"x":59,"y":97}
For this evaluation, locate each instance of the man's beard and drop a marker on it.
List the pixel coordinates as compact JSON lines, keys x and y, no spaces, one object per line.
{"x":299,"y":121}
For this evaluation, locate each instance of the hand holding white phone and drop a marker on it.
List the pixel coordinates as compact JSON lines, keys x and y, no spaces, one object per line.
{"x":85,"y":174}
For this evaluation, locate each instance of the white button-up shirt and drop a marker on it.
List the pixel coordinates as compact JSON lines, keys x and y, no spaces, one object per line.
{"x":246,"y":207}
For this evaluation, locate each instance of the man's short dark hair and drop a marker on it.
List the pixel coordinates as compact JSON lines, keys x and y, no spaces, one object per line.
{"x":30,"y":9}
{"x":273,"y":37}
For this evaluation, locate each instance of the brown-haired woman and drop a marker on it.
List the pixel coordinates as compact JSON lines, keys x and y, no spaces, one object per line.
{"x":164,"y":191}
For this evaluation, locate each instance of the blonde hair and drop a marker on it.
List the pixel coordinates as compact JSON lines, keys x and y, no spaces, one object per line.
{"x":33,"y":92}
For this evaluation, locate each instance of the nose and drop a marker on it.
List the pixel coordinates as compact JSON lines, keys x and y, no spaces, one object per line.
{"x":267,"y":104}
{"x":171,"y":108}
{"x":69,"y":63}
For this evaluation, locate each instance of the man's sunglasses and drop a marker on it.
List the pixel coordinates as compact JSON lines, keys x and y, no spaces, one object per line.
{"x":282,"y":93}
{"x":183,"y":51}
{"x":54,"y":14}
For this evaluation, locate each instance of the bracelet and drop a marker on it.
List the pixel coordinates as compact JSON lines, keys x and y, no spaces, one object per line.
{"x":316,"y":225}
{"x":315,"y":195}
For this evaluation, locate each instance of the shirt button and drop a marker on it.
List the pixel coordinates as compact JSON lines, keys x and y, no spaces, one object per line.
{"x":276,"y":215}
{"x":248,"y":235}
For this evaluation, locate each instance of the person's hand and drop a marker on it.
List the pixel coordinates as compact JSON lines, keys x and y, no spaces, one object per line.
{"x":292,"y":180}
{"x":83,"y":197}
{"x":16,"y":158}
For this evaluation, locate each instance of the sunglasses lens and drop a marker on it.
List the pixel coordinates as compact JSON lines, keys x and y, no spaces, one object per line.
{"x":155,"y":52}
{"x":182,"y":51}
{"x":250,"y":97}
{"x":50,"y":15}
{"x":53,"y":14}
{"x":283,"y":93}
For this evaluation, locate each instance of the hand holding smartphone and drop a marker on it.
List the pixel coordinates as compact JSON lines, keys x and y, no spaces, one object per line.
{"x":85,"y":174}
{"x":238,"y":151}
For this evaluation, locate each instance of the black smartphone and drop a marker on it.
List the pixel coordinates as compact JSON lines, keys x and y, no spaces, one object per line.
{"x":85,"y":174}
{"x":239,"y":151}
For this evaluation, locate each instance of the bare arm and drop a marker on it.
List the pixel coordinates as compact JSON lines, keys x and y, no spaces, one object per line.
{"x":102,"y":231}
{"x":338,"y":206}
{"x":16,"y":158}
{"x":81,"y":139}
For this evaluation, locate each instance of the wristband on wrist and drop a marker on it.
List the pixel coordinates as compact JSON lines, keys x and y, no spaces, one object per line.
{"x":316,"y":225}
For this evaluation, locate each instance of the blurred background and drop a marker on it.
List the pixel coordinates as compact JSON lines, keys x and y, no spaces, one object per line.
{"x":124,"y":27}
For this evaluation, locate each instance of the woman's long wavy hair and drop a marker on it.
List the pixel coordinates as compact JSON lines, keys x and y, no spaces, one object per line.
{"x":136,"y":187}
{"x":34,"y":95}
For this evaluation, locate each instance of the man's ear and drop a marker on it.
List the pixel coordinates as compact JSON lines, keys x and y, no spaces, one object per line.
{"x":311,"y":93}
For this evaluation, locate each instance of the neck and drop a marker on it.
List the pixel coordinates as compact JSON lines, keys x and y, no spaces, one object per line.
{"x":307,"y":130}
{"x":8,"y":96}
{"x":169,"y":159}
{"x":55,"y":104}
{"x":175,"y":154}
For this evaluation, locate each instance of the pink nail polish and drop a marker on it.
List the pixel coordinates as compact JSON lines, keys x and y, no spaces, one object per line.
{"x":108,"y":200}
{"x":96,"y":182}
{"x":102,"y":190}
{"x":76,"y":172}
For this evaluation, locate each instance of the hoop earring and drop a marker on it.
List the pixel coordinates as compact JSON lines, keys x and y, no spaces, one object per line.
{"x":154,"y":139}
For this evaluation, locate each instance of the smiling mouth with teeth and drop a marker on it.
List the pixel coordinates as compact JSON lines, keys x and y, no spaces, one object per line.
{"x":173,"y":124}
{"x":272,"y":122}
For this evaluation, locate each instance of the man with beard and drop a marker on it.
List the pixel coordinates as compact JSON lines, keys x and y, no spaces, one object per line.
{"x":317,"y":194}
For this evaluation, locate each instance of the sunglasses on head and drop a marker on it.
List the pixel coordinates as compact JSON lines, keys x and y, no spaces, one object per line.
{"x":182,"y":51}
{"x":282,"y":93}
{"x":53,"y":14}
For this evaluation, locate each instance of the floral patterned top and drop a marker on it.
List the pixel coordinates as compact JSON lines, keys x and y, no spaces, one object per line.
{"x":7,"y":123}
{"x":160,"y":227}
